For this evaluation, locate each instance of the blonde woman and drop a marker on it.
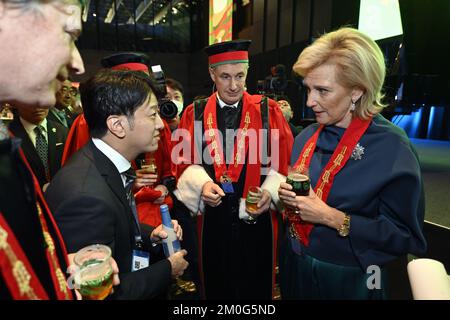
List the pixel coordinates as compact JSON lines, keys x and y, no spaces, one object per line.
{"x":365,"y":207}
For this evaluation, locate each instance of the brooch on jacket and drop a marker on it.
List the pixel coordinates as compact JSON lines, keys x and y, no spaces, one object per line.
{"x":357,"y":152}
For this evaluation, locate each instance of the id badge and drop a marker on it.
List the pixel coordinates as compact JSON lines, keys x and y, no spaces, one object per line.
{"x":141,"y":260}
{"x":227,"y":183}
{"x":227,"y":187}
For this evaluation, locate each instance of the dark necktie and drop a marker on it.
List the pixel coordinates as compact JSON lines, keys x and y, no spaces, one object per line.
{"x":42,"y":148}
{"x":130,"y":176}
{"x":231,"y":113}
{"x":63,"y":117}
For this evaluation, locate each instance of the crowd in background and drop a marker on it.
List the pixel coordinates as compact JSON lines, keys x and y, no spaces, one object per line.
{"x":93,"y":163}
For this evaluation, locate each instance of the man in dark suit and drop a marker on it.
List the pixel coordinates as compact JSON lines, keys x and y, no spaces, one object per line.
{"x":65,"y":110}
{"x":90,"y":196}
{"x":28,"y":126}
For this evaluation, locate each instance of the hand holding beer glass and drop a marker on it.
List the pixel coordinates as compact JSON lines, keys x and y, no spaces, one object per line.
{"x":300,"y":185}
{"x":254,"y":195}
{"x":147,"y":173}
{"x":94,"y":274}
{"x":148,"y":165}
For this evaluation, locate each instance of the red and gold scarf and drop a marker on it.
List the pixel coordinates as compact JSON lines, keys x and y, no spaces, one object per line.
{"x":338,"y":160}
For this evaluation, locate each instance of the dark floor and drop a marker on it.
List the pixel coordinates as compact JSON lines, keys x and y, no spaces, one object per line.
{"x":434,"y":158}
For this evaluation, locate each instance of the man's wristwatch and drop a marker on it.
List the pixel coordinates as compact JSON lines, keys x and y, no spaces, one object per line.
{"x":344,"y":229}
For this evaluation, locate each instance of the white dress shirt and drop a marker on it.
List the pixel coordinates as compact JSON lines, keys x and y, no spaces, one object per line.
{"x":119,"y":161}
{"x":223,"y":104}
{"x":29,"y":128}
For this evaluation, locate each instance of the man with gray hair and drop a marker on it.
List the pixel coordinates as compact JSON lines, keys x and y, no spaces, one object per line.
{"x":33,"y":253}
{"x":237,"y":246}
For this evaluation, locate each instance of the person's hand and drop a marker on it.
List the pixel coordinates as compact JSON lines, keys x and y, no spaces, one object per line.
{"x":144,"y":179}
{"x":158,"y":233}
{"x":212,"y":194}
{"x":115,"y":268}
{"x":287,"y":196}
{"x":178,"y":263}
{"x":72,"y":269}
{"x":263,"y":204}
{"x":164,"y":193}
{"x":312,"y":208}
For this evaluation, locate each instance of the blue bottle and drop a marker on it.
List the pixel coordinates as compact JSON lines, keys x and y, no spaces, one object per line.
{"x":171,"y":244}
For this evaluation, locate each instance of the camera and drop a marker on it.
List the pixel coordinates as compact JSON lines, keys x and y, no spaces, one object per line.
{"x":275,"y":83}
{"x":167,"y":109}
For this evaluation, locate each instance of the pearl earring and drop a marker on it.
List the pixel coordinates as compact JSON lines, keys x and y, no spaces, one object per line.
{"x":353,"y":106}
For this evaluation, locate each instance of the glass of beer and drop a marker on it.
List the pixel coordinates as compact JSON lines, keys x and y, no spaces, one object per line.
{"x":300,"y":185}
{"x":254,"y":194}
{"x":94,"y":275}
{"x":299,"y":182}
{"x":148,"y":165}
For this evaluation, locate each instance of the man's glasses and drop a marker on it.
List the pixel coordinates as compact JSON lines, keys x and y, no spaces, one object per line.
{"x":72,"y":90}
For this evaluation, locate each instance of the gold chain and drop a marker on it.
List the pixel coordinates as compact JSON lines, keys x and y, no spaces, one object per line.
{"x":240,"y":142}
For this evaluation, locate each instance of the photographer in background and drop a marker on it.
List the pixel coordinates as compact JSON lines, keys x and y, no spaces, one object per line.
{"x":285,"y":106}
{"x":171,"y":104}
{"x":274,"y":84}
{"x":175,"y":94}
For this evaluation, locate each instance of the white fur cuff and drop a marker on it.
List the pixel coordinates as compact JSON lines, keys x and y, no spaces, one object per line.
{"x":189,"y":188}
{"x":271,"y":184}
{"x":243,"y":215}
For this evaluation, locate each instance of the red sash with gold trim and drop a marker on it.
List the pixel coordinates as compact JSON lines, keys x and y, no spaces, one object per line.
{"x":250,"y":120}
{"x":16,"y":270}
{"x":338,"y":160}
{"x":58,"y":278}
{"x":57,"y":275}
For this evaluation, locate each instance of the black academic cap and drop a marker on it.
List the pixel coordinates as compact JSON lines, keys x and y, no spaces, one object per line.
{"x":235,"y":51}
{"x":127,"y":60}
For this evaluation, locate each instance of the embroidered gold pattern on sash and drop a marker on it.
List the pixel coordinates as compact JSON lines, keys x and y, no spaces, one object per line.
{"x":240,"y":143}
{"x":301,"y":167}
{"x":62,"y":282}
{"x":49,"y":241}
{"x":20,"y":273}
{"x":3,"y":237}
{"x":51,"y":250}
{"x":212,"y":134}
{"x":22,"y":277}
{"x":327,"y":173}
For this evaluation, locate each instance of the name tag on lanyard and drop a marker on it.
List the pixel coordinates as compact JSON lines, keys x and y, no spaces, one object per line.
{"x":141,"y":260}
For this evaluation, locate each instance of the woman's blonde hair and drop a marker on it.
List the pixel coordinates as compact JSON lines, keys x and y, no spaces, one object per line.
{"x":359,"y":62}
